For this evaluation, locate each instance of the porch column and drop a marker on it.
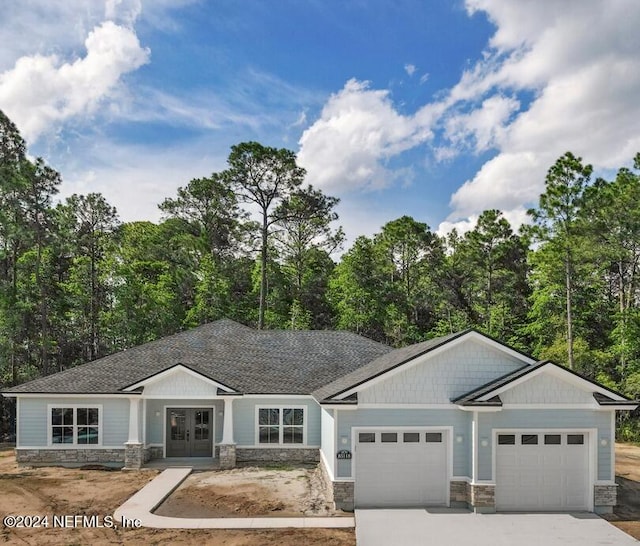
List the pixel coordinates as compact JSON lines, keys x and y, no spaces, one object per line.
{"x":133,"y":447}
{"x":227,"y":446}
{"x":227,"y":426}
{"x":134,"y":420}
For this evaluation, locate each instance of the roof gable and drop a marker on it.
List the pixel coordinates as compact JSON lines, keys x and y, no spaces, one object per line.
{"x":179,"y":380}
{"x":545,"y":383}
{"x":400,"y":360}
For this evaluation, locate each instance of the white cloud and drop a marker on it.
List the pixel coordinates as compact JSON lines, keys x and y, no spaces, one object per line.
{"x":358,"y":130}
{"x":585,"y":84}
{"x":484,"y":125}
{"x":555,"y":76}
{"x":40,"y":92}
{"x":410,"y":69}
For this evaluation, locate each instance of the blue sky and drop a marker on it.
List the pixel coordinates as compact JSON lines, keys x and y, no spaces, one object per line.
{"x":435,"y":109}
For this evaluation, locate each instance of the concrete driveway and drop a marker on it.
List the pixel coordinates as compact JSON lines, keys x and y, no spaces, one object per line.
{"x":448,"y":527}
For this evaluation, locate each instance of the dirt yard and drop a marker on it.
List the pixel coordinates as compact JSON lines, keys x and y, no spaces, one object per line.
{"x":53,"y":491}
{"x":246,"y":492}
{"x":241,"y":492}
{"x":626,"y":515}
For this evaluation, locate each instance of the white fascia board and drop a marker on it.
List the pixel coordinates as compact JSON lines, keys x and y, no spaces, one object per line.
{"x":124,"y":395}
{"x":434,"y":353}
{"x":172,"y":371}
{"x":348,"y":407}
{"x":559,"y":373}
{"x":481,"y":409}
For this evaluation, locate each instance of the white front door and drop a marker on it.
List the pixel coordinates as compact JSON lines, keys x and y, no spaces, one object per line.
{"x":401,"y":468}
{"x":540,"y":471}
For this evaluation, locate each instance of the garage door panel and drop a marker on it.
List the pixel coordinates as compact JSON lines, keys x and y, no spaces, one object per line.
{"x":411,"y":473}
{"x":549,"y":475}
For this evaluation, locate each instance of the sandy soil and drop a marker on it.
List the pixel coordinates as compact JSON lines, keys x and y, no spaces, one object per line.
{"x":626,"y":515}
{"x":58,"y":491}
{"x":245,"y":492}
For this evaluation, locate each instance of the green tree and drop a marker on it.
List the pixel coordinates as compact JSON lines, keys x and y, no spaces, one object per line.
{"x":265,"y":177}
{"x":556,"y":224}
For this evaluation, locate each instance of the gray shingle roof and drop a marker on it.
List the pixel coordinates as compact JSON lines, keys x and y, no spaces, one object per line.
{"x":380,"y":365}
{"x":247,"y":360}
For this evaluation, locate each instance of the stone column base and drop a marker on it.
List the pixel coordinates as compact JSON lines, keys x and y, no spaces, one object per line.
{"x":483,"y":498}
{"x":227,"y":456}
{"x":134,"y":456}
{"x":605,"y":497}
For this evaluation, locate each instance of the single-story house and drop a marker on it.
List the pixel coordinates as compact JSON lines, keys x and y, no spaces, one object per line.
{"x":457,"y":420}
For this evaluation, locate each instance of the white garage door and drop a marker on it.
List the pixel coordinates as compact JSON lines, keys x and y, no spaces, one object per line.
{"x":539,"y":471}
{"x":401,"y":468}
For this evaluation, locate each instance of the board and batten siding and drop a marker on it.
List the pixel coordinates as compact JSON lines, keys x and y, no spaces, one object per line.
{"x":33,"y":419}
{"x":543,"y":419}
{"x":181,"y":383}
{"x":328,"y":445}
{"x":244,"y":418}
{"x":459,"y":420}
{"x":436,"y":379}
{"x":156,"y":416}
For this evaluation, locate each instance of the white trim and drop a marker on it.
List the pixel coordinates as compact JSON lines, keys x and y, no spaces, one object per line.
{"x":125,"y":395}
{"x":605,"y":482}
{"x":348,"y":407}
{"x":480,"y":409}
{"x":448,"y":441}
{"x":592,"y":447}
{"x":558,"y":406}
{"x":559,"y":373}
{"x":419,"y":359}
{"x":407,"y":406}
{"x":213,"y":426}
{"x":206,"y":397}
{"x":277,"y":446}
{"x":612,"y":446}
{"x":285,"y":396}
{"x":144,"y":421}
{"x":323,"y":461}
{"x":17,"y":421}
{"x":461,"y":479}
{"x":172,"y":371}
{"x":74,"y":407}
{"x":72,"y":447}
{"x":474,"y":446}
{"x":281,"y":407}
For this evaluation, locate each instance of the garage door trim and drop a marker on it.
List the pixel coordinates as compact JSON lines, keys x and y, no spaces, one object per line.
{"x":592,"y":451}
{"x":447,"y":440}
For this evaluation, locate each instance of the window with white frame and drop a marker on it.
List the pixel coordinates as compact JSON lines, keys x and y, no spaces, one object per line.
{"x":281,"y":425}
{"x":75,"y":425}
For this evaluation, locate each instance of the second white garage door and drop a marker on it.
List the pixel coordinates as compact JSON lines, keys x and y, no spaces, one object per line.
{"x":401,"y":468}
{"x":540,"y":471}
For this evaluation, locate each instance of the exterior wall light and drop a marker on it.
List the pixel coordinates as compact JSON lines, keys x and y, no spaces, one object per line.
{"x":459,"y":438}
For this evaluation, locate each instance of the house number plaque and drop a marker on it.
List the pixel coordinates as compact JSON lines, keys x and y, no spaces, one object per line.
{"x":344,"y":454}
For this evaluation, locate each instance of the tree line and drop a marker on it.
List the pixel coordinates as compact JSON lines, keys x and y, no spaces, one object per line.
{"x":254,"y":243}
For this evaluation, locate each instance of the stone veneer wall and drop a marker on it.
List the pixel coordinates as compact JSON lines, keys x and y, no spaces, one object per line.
{"x":69,"y":456}
{"x":155,"y":452}
{"x":277,"y":455}
{"x":604,"y":498}
{"x":459,"y":494}
{"x":482,"y":498}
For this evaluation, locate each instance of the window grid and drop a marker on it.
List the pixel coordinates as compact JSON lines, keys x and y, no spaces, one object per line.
{"x":74,"y":425}
{"x":281,"y":425}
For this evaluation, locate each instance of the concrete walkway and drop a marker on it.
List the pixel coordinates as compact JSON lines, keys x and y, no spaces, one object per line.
{"x":140,"y":506}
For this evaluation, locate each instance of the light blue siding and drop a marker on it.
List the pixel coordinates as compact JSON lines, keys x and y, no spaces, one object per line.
{"x":156,"y":423}
{"x":460,"y":420}
{"x":544,"y":419}
{"x":33,"y":418}
{"x":244,"y":418}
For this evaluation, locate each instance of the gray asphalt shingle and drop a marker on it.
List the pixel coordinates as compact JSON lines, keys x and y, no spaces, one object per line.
{"x":247,"y":360}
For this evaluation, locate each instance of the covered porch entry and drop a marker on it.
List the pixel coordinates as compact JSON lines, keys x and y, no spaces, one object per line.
{"x":190,"y":432}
